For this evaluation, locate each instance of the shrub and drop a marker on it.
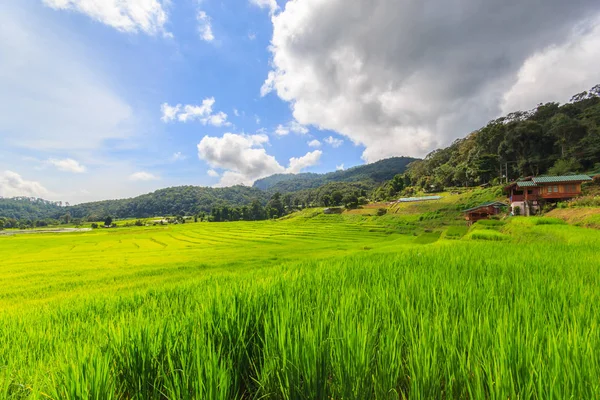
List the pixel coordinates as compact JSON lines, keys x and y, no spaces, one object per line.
{"x":517,"y":210}
{"x":94,"y":226}
{"x":381,"y":211}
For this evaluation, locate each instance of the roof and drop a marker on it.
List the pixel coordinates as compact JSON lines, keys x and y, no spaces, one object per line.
{"x":539,"y":180}
{"x":489,"y":203}
{"x":563,"y":178}
{"x":411,"y":199}
{"x":526,"y":184}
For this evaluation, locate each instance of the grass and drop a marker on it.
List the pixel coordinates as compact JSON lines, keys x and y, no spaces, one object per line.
{"x":311,"y":307}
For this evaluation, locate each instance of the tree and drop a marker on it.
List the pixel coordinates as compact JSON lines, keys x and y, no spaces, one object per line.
{"x":275,"y":208}
{"x":256,"y":212}
{"x":108,"y":221}
{"x":566,"y":132}
{"x":336,"y":198}
{"x":565,"y":167}
{"x":350,"y":200}
{"x":66,"y":218}
{"x":2,"y":221}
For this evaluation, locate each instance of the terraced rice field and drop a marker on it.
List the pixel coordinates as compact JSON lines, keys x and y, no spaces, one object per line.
{"x":310,"y":307}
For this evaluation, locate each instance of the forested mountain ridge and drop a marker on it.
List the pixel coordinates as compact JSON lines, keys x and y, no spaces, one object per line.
{"x":369,"y":174}
{"x":186,"y":200}
{"x":550,"y":139}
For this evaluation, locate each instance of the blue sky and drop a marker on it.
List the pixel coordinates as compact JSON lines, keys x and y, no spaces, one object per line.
{"x":112,"y":99}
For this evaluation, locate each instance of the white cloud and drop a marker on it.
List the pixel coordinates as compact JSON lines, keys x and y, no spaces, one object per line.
{"x":212,"y":173}
{"x":236,"y":112}
{"x":218,"y":119}
{"x":270,"y":4}
{"x":190,"y":112}
{"x":13,"y":185}
{"x":148,"y":16}
{"x":67,"y":164}
{"x":314,"y":143}
{"x":281,"y":130}
{"x":244,"y":158}
{"x":339,"y":167}
{"x":53,"y":96}
{"x":333,"y":142}
{"x":178,"y":156}
{"x":308,"y":160}
{"x":205,"y":27}
{"x":406,"y":77}
{"x":251,"y":35}
{"x":257,"y":119}
{"x":143,"y":176}
{"x":557,"y":72}
{"x":292,"y":126}
{"x":169,"y":113}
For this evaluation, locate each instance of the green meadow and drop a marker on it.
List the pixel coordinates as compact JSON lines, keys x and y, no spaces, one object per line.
{"x":311,"y":306}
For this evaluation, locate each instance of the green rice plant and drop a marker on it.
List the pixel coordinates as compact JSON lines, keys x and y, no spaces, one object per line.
{"x":548,"y":221}
{"x":488,"y":235}
{"x":296,"y":309}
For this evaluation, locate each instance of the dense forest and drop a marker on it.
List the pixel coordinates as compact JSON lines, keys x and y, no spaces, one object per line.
{"x":370,"y":175}
{"x":182,"y":200}
{"x":552,"y":139}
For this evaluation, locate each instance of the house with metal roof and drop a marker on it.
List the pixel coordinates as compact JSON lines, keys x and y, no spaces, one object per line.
{"x":528,"y":194}
{"x":483,"y":211}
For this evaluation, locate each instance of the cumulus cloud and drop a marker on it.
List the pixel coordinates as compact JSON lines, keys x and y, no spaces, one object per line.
{"x":404,"y":78}
{"x":334,"y":142}
{"x":271,"y":5}
{"x":148,"y":16}
{"x":13,"y":185}
{"x":314,"y":143}
{"x":298,"y":164}
{"x":143,"y":176}
{"x":204,"y":26}
{"x":212,"y":173}
{"x":244,"y":158}
{"x":339,"y":167}
{"x":191,"y":112}
{"x":67,"y":164}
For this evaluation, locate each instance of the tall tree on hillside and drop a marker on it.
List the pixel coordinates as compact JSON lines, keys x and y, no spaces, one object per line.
{"x":566,"y":132}
{"x":257,"y":211}
{"x":275,"y":207}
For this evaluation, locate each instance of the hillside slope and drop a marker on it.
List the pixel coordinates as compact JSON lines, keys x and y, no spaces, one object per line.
{"x":370,"y":174}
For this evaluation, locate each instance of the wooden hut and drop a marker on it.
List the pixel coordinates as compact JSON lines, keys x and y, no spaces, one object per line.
{"x":483,"y":211}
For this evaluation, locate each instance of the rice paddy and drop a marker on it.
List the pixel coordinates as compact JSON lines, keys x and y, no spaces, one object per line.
{"x":309,"y":307}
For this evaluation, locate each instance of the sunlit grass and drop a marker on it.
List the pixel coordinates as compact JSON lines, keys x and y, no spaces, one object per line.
{"x":312,"y":307}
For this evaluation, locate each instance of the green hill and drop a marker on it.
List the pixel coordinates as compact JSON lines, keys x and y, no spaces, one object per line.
{"x":187,"y":200}
{"x":370,"y":174}
{"x":551,"y":139}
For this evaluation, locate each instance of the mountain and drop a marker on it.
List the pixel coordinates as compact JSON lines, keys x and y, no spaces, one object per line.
{"x":369,"y":174}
